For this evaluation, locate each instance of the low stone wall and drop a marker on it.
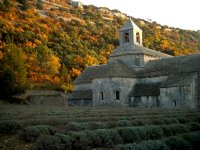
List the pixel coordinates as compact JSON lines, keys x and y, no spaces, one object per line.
{"x":43,"y":97}
{"x":80,"y":102}
{"x":54,"y":100}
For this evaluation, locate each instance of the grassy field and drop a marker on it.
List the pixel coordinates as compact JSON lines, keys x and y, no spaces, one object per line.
{"x":25,"y":127}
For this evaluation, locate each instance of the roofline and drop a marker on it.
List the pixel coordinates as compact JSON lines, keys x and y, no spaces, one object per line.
{"x":173,"y":86}
{"x":134,"y":53}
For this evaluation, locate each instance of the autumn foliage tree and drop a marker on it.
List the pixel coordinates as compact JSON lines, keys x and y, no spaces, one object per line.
{"x":49,"y":49}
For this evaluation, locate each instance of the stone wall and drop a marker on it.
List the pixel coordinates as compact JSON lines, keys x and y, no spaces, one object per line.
{"x":145,"y":102}
{"x":129,"y":60}
{"x":176,"y":97}
{"x":80,"y":102}
{"x":53,"y":100}
{"x":43,"y":97}
{"x":182,"y":96}
{"x":198,"y":90}
{"x":109,"y":86}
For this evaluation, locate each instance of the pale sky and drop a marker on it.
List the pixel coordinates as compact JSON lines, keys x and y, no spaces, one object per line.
{"x":183,"y":14}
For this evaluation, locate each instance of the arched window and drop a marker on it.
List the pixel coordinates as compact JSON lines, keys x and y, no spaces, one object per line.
{"x":126,"y":37}
{"x":137,"y":61}
{"x":101,"y":95}
{"x":138,"y":37}
{"x":157,"y":102}
{"x":174,"y":103}
{"x":117,"y":95}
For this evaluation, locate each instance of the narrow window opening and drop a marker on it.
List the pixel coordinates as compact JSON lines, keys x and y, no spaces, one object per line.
{"x":126,"y":37}
{"x":137,"y":61}
{"x":174,"y":103}
{"x":157,"y":102}
{"x":101,"y":95}
{"x":138,"y":37}
{"x":117,"y":94}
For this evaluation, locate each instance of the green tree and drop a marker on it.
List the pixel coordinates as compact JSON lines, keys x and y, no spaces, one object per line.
{"x":7,"y":82}
{"x":39,"y":4}
{"x":13,"y":61}
{"x":25,"y":4}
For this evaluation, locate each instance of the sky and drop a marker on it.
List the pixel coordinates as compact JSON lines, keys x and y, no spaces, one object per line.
{"x":184,"y":14}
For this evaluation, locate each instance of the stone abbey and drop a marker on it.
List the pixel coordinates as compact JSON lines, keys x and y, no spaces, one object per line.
{"x":136,"y":76}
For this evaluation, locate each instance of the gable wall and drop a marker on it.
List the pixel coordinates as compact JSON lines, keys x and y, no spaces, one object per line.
{"x":198,"y":90}
{"x":129,"y":60}
{"x":179,"y":95}
{"x":195,"y":91}
{"x":186,"y":96}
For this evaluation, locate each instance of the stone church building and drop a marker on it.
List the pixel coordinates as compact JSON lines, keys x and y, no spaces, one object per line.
{"x":136,"y":76}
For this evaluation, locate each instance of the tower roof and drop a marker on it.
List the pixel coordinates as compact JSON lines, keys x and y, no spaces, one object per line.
{"x":129,"y":25}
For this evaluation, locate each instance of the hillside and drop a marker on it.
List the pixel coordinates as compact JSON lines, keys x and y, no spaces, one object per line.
{"x":46,"y":44}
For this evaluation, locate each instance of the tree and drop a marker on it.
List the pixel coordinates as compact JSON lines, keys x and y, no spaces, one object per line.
{"x":39,"y":4}
{"x":7,"y":82}
{"x":24,"y":3}
{"x":13,"y":65}
{"x":6,"y":3}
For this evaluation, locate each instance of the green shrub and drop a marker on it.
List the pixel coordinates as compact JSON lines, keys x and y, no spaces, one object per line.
{"x":133,"y":146}
{"x":56,"y":142}
{"x":10,"y":126}
{"x":156,"y":121}
{"x":89,"y":126}
{"x":138,"y":122}
{"x":80,"y":140}
{"x":108,"y":137}
{"x":99,"y":138}
{"x":46,"y":142}
{"x":176,"y":143}
{"x":170,"y":120}
{"x":128,"y":135}
{"x":145,"y":145}
{"x":93,"y":137}
{"x":124,"y":123}
{"x":166,"y":131}
{"x":153,"y":132}
{"x":183,"y":120}
{"x":31,"y":133}
{"x":112,"y":124}
{"x":64,"y":141}
{"x":175,"y":128}
{"x":154,"y":145}
{"x":100,"y":125}
{"x":136,"y":134}
{"x":193,"y":139}
{"x":72,"y":126}
{"x":193,"y":126}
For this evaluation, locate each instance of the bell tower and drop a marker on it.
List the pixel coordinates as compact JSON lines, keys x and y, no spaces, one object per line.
{"x":130,"y":33}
